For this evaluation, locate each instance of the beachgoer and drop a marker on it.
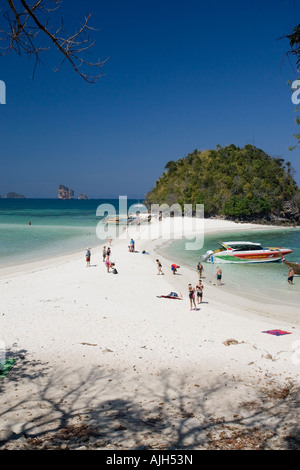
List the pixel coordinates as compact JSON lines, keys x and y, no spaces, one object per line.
{"x":159,"y":267}
{"x":109,"y":241}
{"x":192,"y":296}
{"x":108,"y":253}
{"x":200,"y":269}
{"x":174,"y":268}
{"x":131,"y":245}
{"x":108,"y":265}
{"x":88,"y":257}
{"x":104,"y":253}
{"x":290,"y":276}
{"x":199,"y":290}
{"x":219,"y":276}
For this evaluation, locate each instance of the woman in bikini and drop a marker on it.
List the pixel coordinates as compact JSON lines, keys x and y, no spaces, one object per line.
{"x":192,"y":296}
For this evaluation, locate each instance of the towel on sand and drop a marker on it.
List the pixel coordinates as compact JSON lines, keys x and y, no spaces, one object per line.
{"x":277,"y":332}
{"x":6,"y":366}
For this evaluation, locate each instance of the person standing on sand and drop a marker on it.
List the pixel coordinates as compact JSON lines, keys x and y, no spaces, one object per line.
{"x":192,"y":296}
{"x":199,"y":290}
{"x":159,"y":267}
{"x":104,"y":253}
{"x":290,"y":276}
{"x":88,"y":257}
{"x":219,"y":276}
{"x":108,"y":253}
{"x":109,"y":241}
{"x":200,"y":269}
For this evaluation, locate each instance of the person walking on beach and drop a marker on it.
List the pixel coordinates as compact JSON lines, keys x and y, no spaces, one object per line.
{"x":159,"y":267}
{"x":219,"y":276}
{"x":88,"y":257}
{"x":192,"y":296}
{"x":200,"y":269}
{"x":199,"y":290}
{"x":290,"y":276}
{"x":104,"y":253}
{"x":132,"y":245}
{"x":109,"y":241}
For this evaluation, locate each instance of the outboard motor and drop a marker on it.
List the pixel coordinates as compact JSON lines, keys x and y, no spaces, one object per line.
{"x":207,"y":255}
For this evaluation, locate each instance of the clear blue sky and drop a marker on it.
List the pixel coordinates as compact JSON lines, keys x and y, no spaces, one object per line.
{"x":180,"y":75}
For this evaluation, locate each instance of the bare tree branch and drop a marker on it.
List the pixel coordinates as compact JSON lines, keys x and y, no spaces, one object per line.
{"x":23,"y":24}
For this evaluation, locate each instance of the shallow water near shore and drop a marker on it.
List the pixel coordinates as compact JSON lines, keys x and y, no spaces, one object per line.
{"x":261,"y":281}
{"x":37,"y":229}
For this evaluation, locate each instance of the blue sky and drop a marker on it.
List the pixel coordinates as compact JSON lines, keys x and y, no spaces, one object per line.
{"x":180,"y":75}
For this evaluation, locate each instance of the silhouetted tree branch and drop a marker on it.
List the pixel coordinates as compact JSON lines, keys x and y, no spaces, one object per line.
{"x":23,"y":24}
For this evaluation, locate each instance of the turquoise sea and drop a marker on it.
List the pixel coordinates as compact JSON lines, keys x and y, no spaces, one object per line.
{"x":34,"y":229}
{"x":260,"y":281}
{"x":63,"y":226}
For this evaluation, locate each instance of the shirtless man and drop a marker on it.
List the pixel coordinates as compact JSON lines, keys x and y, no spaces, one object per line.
{"x":199,"y":290}
{"x":291,"y":275}
{"x":219,"y":276}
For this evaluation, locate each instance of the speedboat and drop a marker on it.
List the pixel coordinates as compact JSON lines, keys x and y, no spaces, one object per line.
{"x":244,"y":252}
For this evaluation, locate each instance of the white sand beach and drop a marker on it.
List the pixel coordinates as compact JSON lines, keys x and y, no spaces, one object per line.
{"x":103,"y":353}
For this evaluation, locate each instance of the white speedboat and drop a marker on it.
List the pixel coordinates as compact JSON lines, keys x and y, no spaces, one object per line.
{"x":245,"y":252}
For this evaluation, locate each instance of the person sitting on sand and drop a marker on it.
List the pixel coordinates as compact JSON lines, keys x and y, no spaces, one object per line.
{"x":290,"y":276}
{"x":192,"y":296}
{"x":199,"y":290}
{"x":108,"y":265}
{"x":159,"y":267}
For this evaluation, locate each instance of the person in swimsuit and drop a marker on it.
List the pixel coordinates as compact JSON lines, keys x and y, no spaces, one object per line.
{"x":192,"y":297}
{"x":291,"y":275}
{"x":108,"y":253}
{"x":199,"y":290}
{"x":104,"y":253}
{"x":199,"y":269}
{"x":109,"y":265}
{"x":159,"y":267}
{"x":219,"y":276}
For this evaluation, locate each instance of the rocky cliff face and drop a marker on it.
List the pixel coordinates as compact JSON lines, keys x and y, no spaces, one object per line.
{"x":64,"y":192}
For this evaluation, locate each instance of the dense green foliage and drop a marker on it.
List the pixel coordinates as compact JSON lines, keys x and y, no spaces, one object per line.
{"x":240,"y":183}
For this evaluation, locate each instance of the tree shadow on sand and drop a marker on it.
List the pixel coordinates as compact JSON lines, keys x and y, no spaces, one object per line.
{"x":105,"y":410}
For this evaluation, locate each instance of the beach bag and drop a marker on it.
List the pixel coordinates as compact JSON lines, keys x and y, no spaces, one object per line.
{"x":115,"y":271}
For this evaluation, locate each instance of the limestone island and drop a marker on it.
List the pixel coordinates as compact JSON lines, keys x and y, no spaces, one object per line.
{"x":64,"y":192}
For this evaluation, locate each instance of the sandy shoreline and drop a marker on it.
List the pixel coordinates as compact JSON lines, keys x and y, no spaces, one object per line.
{"x":145,"y":372}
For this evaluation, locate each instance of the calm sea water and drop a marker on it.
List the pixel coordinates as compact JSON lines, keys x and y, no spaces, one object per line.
{"x":264,"y":281}
{"x":57,"y":227}
{"x":65,"y":226}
